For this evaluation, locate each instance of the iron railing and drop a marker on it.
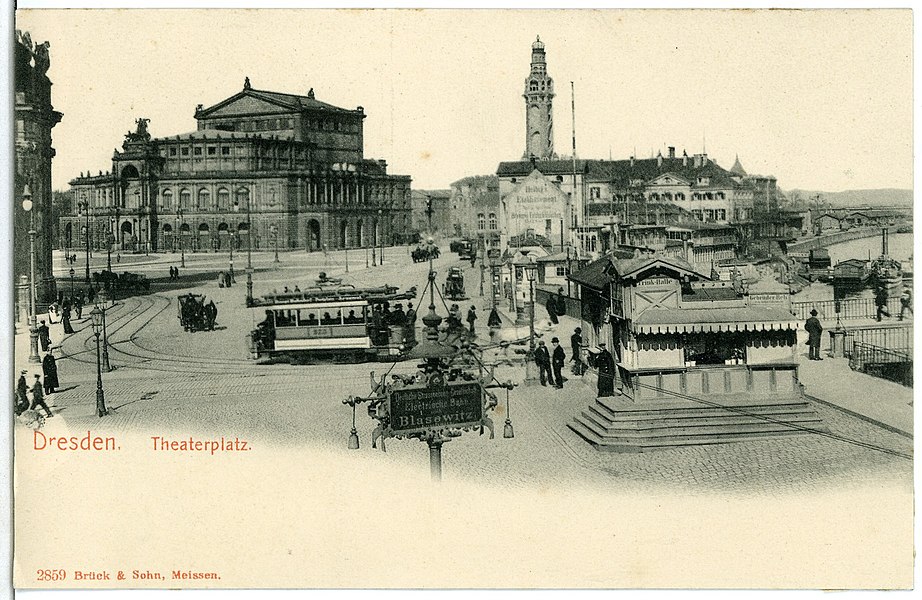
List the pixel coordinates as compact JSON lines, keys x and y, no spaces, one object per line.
{"x":886,"y":363}
{"x":849,"y":308}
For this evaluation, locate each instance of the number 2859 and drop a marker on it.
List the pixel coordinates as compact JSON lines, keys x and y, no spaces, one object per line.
{"x":51,"y":574}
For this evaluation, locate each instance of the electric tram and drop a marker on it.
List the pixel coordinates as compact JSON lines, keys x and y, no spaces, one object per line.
{"x":338,"y":324}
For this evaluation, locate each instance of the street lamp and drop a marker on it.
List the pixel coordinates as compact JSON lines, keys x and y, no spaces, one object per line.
{"x":85,"y":207}
{"x":531,"y":270}
{"x":97,"y":316}
{"x":105,"y":336}
{"x":381,"y":235}
{"x":274,"y":231}
{"x":182,"y":247}
{"x":249,"y":298}
{"x":33,"y":326}
{"x":72,"y":284}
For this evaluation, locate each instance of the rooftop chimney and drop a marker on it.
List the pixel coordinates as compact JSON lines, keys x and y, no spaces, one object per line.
{"x":671,"y":151}
{"x":632,"y":160}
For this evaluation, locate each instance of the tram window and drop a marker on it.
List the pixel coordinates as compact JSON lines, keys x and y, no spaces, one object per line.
{"x":338,"y":318}
{"x":282,"y":318}
{"x":352,"y":318}
{"x":305,"y":318}
{"x":326,"y":319}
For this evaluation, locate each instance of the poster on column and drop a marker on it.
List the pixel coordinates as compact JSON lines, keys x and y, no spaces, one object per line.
{"x":198,"y":391}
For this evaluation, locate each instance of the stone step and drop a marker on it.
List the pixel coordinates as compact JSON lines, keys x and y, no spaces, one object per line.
{"x":649,"y":410}
{"x":805,"y":413}
{"x":646,"y":445}
{"x":658,"y":435}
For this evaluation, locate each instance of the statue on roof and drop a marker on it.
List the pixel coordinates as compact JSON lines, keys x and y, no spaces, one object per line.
{"x":42,"y":57}
{"x":140,"y":134}
{"x":246,"y":83}
{"x":310,"y":93}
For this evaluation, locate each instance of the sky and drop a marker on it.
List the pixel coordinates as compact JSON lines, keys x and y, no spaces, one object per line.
{"x":822,"y":100}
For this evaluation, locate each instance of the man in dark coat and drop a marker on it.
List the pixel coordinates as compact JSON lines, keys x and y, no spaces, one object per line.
{"x":552,"y":309}
{"x":493,"y":320}
{"x":558,"y":358}
{"x":905,"y":302}
{"x":44,"y":336}
{"x":50,"y":370}
{"x":606,"y":366}
{"x":471,"y":318}
{"x":815,"y":330}
{"x":880,"y":300}
{"x":22,"y":394}
{"x":576,"y":344}
{"x":561,"y":303}
{"x":78,"y":305}
{"x":38,"y":399}
{"x":543,"y":360}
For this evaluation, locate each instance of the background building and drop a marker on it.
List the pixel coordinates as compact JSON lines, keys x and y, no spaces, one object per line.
{"x":35,"y":118}
{"x":475,"y":209}
{"x":291,"y":167}
{"x":431,"y":212}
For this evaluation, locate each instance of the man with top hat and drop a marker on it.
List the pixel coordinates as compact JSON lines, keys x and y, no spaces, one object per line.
{"x":576,"y":344}
{"x":543,"y":360}
{"x":815,"y":331}
{"x":50,"y":370}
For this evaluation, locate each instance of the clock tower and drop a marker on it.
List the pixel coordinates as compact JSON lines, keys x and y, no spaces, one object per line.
{"x":539,"y":96}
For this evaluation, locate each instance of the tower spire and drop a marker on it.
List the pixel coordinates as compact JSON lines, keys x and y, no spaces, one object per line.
{"x":539,"y":95}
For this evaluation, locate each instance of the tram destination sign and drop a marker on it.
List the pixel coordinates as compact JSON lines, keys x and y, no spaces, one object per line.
{"x":423,"y":409}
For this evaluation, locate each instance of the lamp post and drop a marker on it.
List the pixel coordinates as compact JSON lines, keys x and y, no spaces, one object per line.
{"x":275,"y":240}
{"x":105,"y":336}
{"x":72,"y":285}
{"x":366,"y":256}
{"x":381,"y":235}
{"x":85,"y":207}
{"x":249,"y":298}
{"x":182,"y":247}
{"x":231,"y":240}
{"x":531,"y":270}
{"x":97,"y":316}
{"x":110,"y":239}
{"x":33,"y":325}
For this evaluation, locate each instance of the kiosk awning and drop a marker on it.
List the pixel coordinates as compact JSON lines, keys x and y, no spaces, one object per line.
{"x":698,"y":320}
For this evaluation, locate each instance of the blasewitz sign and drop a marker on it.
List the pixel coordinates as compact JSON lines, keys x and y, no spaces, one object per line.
{"x":422,"y":409}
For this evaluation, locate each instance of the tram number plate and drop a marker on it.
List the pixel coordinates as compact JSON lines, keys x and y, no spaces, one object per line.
{"x":320,"y":332}
{"x":424,"y":409}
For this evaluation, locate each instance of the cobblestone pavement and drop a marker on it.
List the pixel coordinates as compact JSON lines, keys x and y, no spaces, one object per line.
{"x":170,"y":382}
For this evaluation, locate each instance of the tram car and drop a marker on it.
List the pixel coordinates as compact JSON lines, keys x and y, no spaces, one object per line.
{"x":336,"y":324}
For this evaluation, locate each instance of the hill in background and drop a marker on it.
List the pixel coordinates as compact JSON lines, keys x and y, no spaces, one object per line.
{"x":853,"y":198}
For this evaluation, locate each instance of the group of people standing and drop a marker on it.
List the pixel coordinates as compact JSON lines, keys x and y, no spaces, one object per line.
{"x":556,"y":306}
{"x":551,"y":361}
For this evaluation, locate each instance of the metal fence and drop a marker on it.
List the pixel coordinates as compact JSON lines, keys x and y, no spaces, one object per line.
{"x":886,"y":363}
{"x":893,"y":338}
{"x":849,"y":308}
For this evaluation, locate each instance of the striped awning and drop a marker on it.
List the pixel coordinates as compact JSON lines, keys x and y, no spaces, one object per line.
{"x":700,"y":320}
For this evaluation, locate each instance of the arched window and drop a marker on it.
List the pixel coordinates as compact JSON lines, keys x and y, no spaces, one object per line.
{"x":166,"y":200}
{"x":534,"y":86}
{"x":492,"y":220}
{"x":679,"y":196}
{"x":481,"y":221}
{"x":185,"y":199}
{"x":223,"y":199}
{"x":242,"y":198}
{"x":204,"y":200}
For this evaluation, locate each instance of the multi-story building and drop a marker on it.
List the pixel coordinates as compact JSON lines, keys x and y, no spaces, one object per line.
{"x":262,"y":168}
{"x":35,"y":117}
{"x":475,"y":209}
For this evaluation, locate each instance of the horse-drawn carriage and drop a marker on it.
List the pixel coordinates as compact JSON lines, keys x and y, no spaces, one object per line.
{"x":454,"y":284}
{"x":194,"y":314}
{"x":424,"y":253}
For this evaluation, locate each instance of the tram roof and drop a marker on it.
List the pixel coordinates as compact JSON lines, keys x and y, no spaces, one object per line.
{"x":336,"y":294}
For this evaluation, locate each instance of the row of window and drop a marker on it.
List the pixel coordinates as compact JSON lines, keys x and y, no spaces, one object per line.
{"x":716,"y":214}
{"x":482,"y":221}
{"x":282,"y":124}
{"x":203,"y":199}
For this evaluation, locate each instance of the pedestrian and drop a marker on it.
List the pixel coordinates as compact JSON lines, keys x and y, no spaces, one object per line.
{"x":905,"y":302}
{"x":118,"y":257}
{"x":561,"y":303}
{"x":473,"y":259}
{"x":78,"y":305}
{"x":880,"y":300}
{"x":471,"y":318}
{"x":543,"y":360}
{"x":558,"y":358}
{"x":50,"y":370}
{"x":576,"y":344}
{"x":91,"y":295}
{"x":65,"y":318}
{"x":411,"y":315}
{"x":44,"y":337}
{"x":22,"y":394}
{"x":552,"y":309}
{"x":815,"y":330}
{"x":493,"y":321}
{"x":398,"y":317}
{"x":171,"y":272}
{"x":605,"y":363}
{"x":38,"y":399}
